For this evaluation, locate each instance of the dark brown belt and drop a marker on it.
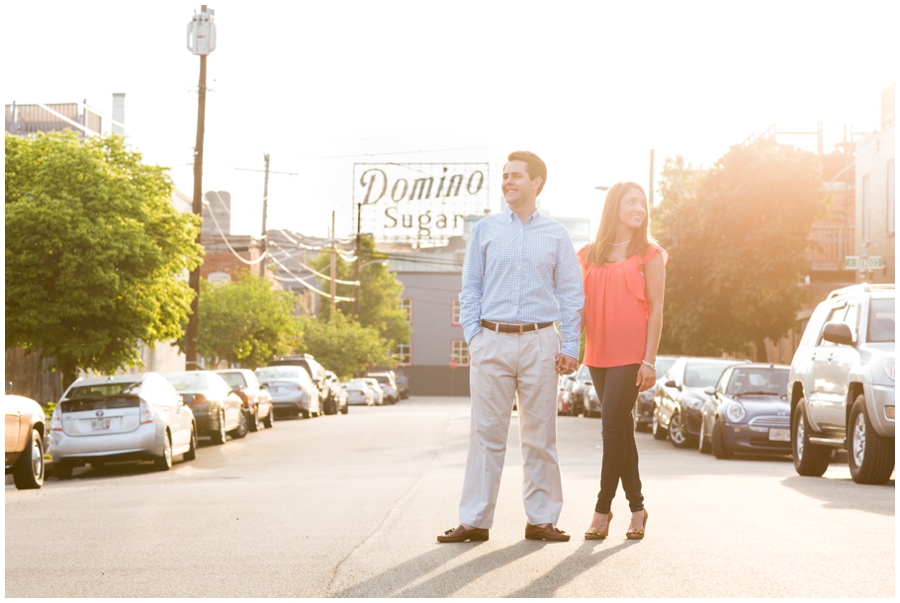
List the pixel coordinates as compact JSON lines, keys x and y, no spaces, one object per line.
{"x":514,"y":328}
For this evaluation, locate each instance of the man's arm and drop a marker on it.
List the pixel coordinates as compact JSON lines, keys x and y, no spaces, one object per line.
{"x":569,"y":293}
{"x":472,"y":287}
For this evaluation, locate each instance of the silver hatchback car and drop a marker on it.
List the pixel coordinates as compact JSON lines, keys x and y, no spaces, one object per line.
{"x":128,"y":417}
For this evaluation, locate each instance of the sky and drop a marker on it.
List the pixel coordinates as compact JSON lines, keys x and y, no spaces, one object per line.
{"x":591,"y":87}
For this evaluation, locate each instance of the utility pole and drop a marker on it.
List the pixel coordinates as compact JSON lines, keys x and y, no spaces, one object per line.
{"x":263,"y":238}
{"x":201,"y":41}
{"x":264,"y":241}
{"x":333,"y":267}
{"x":650,"y":198}
{"x":358,"y":259}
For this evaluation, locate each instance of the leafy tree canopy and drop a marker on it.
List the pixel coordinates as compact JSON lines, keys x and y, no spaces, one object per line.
{"x":245,"y":322}
{"x":343,"y":345}
{"x":737,"y":235}
{"x":93,"y":249}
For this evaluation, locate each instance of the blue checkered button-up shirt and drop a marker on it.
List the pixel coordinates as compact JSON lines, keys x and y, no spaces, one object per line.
{"x":522,"y":273}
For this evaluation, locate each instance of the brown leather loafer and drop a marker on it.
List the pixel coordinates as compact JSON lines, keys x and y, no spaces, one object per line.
{"x":547,"y":532}
{"x":461,"y":534}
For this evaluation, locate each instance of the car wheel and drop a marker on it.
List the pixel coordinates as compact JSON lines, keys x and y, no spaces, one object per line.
{"x":218,"y":436}
{"x":659,"y":432}
{"x":870,"y":455}
{"x":345,"y":409}
{"x":254,"y":420}
{"x":191,"y":454}
{"x":330,"y":406}
{"x":677,"y":432}
{"x":268,"y":421}
{"x":28,"y":472}
{"x":304,"y":413}
{"x":243,"y":426}
{"x":809,"y":459}
{"x":720,"y":447}
{"x":63,"y":469}
{"x":164,"y":462}
{"x":705,"y":447}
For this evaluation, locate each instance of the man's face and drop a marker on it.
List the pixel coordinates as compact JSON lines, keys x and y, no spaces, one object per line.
{"x":518,"y":187}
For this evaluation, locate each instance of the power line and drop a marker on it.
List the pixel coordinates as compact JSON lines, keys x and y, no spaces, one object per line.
{"x":230,"y":248}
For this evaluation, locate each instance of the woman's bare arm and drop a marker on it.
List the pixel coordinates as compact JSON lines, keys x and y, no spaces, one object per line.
{"x":655,"y":276}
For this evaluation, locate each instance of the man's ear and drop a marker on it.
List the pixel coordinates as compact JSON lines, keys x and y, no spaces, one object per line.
{"x":536,"y":183}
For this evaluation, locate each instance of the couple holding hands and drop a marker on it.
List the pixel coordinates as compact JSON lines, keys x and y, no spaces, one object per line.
{"x":520,"y":277}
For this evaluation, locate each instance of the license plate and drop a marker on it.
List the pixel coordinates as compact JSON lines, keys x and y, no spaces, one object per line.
{"x":99,"y":424}
{"x":780,"y":435}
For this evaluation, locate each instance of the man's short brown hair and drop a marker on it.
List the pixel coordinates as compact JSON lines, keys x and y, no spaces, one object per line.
{"x":536,"y":166}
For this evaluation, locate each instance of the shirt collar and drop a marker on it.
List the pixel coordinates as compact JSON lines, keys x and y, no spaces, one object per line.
{"x":510,"y":215}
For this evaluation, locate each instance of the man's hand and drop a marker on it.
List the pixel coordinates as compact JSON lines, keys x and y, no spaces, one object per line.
{"x":565,"y":365}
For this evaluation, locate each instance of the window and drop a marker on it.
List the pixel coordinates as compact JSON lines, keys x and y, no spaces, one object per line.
{"x":403,"y":354}
{"x":406,"y":305}
{"x":890,"y":196}
{"x":454,"y":312}
{"x":459,"y":353}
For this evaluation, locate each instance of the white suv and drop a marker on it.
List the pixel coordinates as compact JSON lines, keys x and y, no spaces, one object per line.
{"x":841,"y":385}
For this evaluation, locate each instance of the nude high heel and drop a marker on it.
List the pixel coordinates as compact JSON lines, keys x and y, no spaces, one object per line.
{"x":595,"y":534}
{"x":635,"y":533}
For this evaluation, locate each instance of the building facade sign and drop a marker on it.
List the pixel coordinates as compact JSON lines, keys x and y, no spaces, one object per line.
{"x":420,"y":203}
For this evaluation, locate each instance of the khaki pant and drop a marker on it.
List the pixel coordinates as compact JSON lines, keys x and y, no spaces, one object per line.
{"x":508,"y":367}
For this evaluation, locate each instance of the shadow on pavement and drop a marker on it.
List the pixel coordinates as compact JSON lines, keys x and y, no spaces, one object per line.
{"x":395,"y":581}
{"x":845,"y":493}
{"x":586,"y":557}
{"x":450,"y":581}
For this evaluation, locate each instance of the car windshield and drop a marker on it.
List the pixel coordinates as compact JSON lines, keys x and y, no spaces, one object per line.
{"x":278,"y":372}
{"x":703,"y":375}
{"x":881,"y":321}
{"x":234,"y":379}
{"x":188,"y":381}
{"x":356,"y":386}
{"x":745,"y":381}
{"x":383,"y":379}
{"x":103,"y":389}
{"x":663,"y":365}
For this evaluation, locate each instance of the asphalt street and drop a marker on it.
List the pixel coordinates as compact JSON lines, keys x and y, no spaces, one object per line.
{"x":349,"y":506}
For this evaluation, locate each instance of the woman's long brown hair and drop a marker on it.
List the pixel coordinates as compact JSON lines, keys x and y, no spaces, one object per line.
{"x":609,"y":220}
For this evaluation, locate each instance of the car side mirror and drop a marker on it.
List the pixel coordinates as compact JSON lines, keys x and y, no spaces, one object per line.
{"x":671,"y":383}
{"x":588,"y":384}
{"x":709,"y":391}
{"x":571,"y":377}
{"x":838,"y":332}
{"x":236,"y":388}
{"x":263,"y":386}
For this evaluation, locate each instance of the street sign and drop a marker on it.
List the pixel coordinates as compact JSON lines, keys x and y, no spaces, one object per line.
{"x":853,"y":262}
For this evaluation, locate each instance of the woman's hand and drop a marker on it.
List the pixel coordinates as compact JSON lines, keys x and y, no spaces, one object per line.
{"x":646,"y":378}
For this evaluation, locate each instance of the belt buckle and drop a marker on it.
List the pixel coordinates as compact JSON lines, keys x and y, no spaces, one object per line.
{"x":521,"y":329}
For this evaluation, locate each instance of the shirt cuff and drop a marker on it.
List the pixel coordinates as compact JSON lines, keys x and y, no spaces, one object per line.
{"x":571,"y":349}
{"x":470,"y":331}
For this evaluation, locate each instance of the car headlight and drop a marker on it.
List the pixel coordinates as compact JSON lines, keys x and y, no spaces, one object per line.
{"x":889,"y":368}
{"x":735,"y":412}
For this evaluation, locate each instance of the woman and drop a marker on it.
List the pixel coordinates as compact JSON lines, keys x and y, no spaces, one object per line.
{"x":624,"y":275}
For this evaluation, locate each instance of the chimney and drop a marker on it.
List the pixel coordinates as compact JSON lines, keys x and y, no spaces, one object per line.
{"x":118,"y":113}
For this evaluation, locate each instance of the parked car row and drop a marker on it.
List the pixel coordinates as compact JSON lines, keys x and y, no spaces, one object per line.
{"x":157,"y":417}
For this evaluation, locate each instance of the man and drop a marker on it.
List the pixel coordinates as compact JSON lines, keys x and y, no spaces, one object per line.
{"x":520,"y":276}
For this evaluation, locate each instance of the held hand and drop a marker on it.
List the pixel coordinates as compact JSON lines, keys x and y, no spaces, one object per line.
{"x":646,"y":378}
{"x":566,"y":365}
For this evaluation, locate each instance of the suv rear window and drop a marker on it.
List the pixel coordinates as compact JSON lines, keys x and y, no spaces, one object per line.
{"x":103,"y":389}
{"x":881,"y":320}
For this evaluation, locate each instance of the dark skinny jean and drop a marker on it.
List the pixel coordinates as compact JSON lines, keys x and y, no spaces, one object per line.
{"x":617,"y":391}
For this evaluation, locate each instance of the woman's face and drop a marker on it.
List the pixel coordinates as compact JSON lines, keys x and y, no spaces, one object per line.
{"x":633,"y":209}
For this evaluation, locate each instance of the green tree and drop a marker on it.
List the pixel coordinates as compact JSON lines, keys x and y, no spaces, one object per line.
{"x":342,"y":345}
{"x":93,"y":249}
{"x":379,"y":292}
{"x":245,"y":322}
{"x":737,"y":236}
